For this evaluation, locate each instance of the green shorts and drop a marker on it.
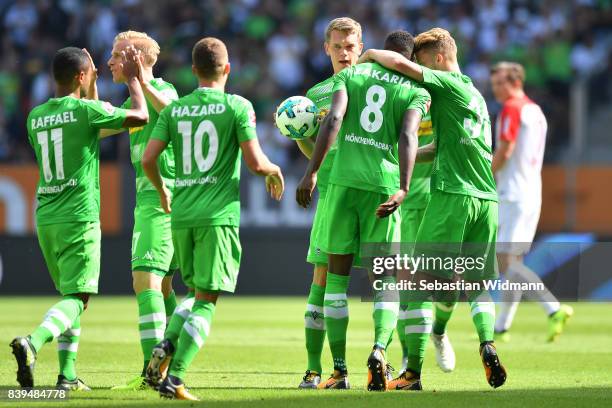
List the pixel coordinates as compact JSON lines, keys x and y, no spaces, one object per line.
{"x":316,"y":255}
{"x":152,"y":249}
{"x":411,"y":220}
{"x":209,"y":257}
{"x":350,"y":220}
{"x":72,"y":254}
{"x":459,"y":226}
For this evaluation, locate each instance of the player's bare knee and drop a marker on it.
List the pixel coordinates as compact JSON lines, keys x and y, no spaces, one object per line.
{"x":319,"y":276}
{"x":207,"y":296}
{"x":84,"y":298}
{"x":145,"y":280}
{"x":166,"y":286}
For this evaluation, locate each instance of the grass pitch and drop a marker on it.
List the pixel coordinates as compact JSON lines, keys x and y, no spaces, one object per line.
{"x":255,"y":357}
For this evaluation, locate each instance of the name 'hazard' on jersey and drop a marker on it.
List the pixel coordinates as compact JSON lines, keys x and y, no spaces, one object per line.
{"x":205,"y":129}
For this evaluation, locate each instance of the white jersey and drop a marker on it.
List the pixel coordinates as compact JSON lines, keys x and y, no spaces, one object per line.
{"x":519,"y":180}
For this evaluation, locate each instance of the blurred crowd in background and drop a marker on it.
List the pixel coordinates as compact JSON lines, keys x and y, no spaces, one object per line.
{"x":276,"y":50}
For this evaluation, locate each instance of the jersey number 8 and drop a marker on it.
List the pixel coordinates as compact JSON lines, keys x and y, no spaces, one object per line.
{"x":204,"y":163}
{"x":373,"y":107}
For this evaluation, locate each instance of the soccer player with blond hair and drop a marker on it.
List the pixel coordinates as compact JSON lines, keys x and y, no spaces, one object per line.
{"x":153,"y":264}
{"x":462,"y":211}
{"x":343,"y":45}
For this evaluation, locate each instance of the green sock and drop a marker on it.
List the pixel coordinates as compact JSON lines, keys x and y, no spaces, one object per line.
{"x":483,"y":315}
{"x":401,"y":327}
{"x":67,"y":346}
{"x":314,"y":327}
{"x":181,"y":313}
{"x":444,"y":311}
{"x":386,"y":308}
{"x":151,"y":321}
{"x":170,"y":305}
{"x":60,"y":317}
{"x":192,"y":337}
{"x":417,"y":327}
{"x":335,"y":308}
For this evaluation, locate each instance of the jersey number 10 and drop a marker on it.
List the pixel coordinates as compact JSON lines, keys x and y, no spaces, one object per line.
{"x":195,"y":149}
{"x":43,"y":140}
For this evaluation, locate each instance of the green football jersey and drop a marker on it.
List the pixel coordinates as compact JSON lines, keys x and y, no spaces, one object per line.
{"x":463,"y":140}
{"x":321,"y":95}
{"x":419,"y":194}
{"x":206,"y":128}
{"x":64,"y":134}
{"x":378,"y":98}
{"x":139,"y":136}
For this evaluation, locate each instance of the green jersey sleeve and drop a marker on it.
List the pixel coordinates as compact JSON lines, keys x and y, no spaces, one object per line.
{"x":161,"y":131}
{"x":420,"y":101}
{"x":245,"y":120}
{"x":104,"y":115}
{"x":340,"y":79}
{"x":435,"y":80}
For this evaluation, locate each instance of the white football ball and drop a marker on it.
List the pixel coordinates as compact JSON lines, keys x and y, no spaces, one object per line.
{"x":296,"y":117}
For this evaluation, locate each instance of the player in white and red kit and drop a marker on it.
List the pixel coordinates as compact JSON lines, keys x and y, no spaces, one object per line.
{"x":517,"y":165}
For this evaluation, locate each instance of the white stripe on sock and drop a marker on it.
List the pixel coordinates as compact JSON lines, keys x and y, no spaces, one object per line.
{"x":49,"y":325}
{"x":416,"y":313}
{"x":336,"y":312}
{"x":393,"y":306}
{"x":72,"y":332}
{"x":314,"y":308}
{"x":200,"y":322}
{"x":194,"y":333}
{"x":59,"y":315}
{"x":483,"y":307}
{"x":153,"y":317}
{"x":310,"y":323}
{"x":157,"y":333}
{"x":424,"y":328}
{"x":184,"y":309}
{"x":72,"y":347}
{"x":335,"y":296}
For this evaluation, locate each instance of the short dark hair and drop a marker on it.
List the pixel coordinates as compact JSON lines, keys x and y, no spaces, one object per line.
{"x":400,"y":41}
{"x":67,"y":63}
{"x":209,"y":57}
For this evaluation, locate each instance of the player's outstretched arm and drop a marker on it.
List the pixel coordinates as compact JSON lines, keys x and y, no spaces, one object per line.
{"x":92,"y":90}
{"x":394,"y":61}
{"x":328,"y":132}
{"x":158,"y":99}
{"x":149,"y":164}
{"x":138,"y":115}
{"x":407,"y":150}
{"x":426,"y":153}
{"x":259,"y":164}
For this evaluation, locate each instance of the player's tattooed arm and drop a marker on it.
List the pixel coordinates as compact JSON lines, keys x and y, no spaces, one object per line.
{"x":257,"y":161}
{"x":328,"y":131}
{"x":394,"y":61}
{"x":426,"y":153}
{"x":138,"y":115}
{"x":149,"y":164}
{"x":407,"y":150}
{"x":92,"y":90}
